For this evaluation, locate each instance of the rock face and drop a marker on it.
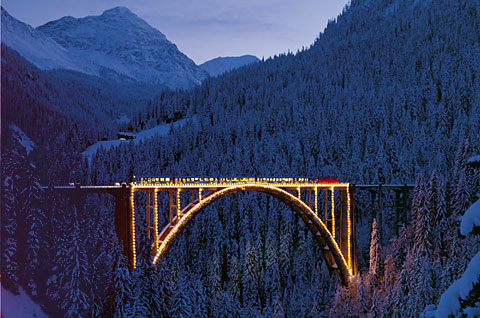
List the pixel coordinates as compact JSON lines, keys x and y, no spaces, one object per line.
{"x":116,"y":43}
{"x":221,"y":65}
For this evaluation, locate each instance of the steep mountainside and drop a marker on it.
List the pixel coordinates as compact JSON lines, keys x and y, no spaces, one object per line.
{"x":221,"y":65}
{"x":37,"y":47}
{"x":388,"y":93}
{"x":121,"y":42}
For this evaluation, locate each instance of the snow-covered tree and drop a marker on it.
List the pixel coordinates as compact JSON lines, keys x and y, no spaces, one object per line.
{"x":376,"y":252}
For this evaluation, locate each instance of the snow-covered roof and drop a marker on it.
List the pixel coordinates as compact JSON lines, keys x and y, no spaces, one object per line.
{"x":130,"y":134}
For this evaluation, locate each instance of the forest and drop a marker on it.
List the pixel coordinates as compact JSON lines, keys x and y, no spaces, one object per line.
{"x":388,"y":93}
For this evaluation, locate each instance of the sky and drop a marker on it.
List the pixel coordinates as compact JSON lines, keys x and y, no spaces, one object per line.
{"x":206,"y":29}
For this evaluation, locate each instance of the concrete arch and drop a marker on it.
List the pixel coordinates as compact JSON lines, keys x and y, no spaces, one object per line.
{"x":329,"y":247}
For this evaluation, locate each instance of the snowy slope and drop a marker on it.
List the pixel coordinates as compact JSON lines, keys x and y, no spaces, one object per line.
{"x":19,"y":306}
{"x":35,"y":46}
{"x":221,"y":65}
{"x":118,"y":41}
{"x":161,"y":130}
{"x":23,"y":139}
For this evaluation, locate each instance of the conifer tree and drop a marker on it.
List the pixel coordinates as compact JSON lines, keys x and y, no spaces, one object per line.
{"x":183,"y":305}
{"x":11,"y":164}
{"x":75,"y":300}
{"x":278,"y":311}
{"x":362,"y":299}
{"x":376,"y":253}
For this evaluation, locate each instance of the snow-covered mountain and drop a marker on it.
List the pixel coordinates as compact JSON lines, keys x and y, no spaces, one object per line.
{"x":121,"y":42}
{"x":37,"y":47}
{"x":221,"y":65}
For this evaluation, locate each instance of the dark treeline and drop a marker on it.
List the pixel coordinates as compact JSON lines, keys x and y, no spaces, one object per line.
{"x":388,"y":93}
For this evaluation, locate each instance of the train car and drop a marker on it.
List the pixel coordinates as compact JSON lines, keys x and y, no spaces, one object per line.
{"x":327,"y":180}
{"x":151,"y":181}
{"x":158,"y":181}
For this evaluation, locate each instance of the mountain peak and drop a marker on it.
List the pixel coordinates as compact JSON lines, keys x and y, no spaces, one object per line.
{"x":121,"y":41}
{"x":118,"y":11}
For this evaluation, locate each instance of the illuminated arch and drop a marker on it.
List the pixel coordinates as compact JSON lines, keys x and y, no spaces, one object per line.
{"x":329,"y":247}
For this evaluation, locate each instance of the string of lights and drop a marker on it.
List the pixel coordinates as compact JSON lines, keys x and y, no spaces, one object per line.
{"x":184,"y":216}
{"x":132,"y":205}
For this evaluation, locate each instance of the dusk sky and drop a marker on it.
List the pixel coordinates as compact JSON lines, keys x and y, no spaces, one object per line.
{"x":206,"y":29}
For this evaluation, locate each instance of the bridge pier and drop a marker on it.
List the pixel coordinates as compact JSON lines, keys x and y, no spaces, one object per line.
{"x":123,"y":224}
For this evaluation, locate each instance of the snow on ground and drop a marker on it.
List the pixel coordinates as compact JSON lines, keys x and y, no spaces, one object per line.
{"x":474,"y":159}
{"x":23,"y":139}
{"x":161,"y":130}
{"x":19,"y":306}
{"x":470,"y":219}
{"x":449,"y":302}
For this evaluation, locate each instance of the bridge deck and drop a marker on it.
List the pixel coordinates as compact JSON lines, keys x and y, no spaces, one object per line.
{"x":213,"y":186}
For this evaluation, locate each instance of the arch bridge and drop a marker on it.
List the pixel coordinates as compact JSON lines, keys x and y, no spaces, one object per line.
{"x":326,"y":207}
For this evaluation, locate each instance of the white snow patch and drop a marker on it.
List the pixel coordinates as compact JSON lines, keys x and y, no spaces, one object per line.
{"x":474,"y":159}
{"x":19,"y":306}
{"x":23,"y":139}
{"x":160,"y":130}
{"x":470,"y":219}
{"x":449,"y":302}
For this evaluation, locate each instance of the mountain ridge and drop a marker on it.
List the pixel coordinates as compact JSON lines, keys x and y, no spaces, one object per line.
{"x":220,"y":65}
{"x":115,"y":44}
{"x":121,"y":41}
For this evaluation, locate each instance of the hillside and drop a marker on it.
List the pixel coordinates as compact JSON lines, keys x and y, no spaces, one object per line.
{"x":35,"y":46}
{"x":387,"y":93}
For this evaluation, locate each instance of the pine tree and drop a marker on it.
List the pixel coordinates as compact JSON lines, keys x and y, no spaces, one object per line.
{"x":11,"y":160}
{"x":118,"y":301}
{"x":182,"y":305}
{"x":375,"y":309}
{"x":422,"y":220}
{"x":75,"y":301}
{"x":441,"y":230}
{"x":362,"y":300}
{"x":376,"y":253}
{"x":251,"y":274}
{"x":34,"y":222}
{"x":278,"y":311}
{"x":421,"y":292}
{"x":145,"y":299}
{"x":315,"y":311}
{"x":433,"y":210}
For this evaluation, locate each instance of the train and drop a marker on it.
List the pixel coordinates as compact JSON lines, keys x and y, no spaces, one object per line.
{"x":153,"y":181}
